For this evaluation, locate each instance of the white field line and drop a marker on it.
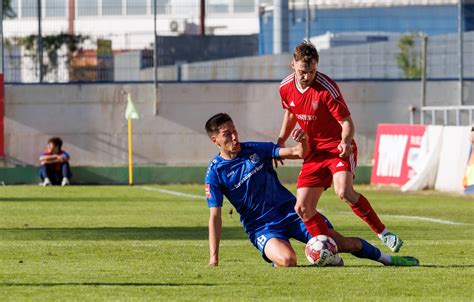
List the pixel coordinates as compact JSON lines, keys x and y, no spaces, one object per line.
{"x":429,"y":219}
{"x":194,"y":196}
{"x":436,"y":220}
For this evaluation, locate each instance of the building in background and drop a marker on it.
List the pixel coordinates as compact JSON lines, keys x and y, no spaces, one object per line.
{"x":128,"y":26}
{"x":432,"y":17}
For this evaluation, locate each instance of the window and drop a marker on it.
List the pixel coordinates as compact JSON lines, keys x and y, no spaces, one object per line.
{"x":184,"y":7}
{"x":218,"y":6}
{"x":29,"y":8}
{"x":55,"y":8}
{"x":136,"y":7}
{"x":14,"y":7}
{"x":111,"y":7}
{"x":87,"y":7}
{"x":162,"y":7}
{"x":244,"y":6}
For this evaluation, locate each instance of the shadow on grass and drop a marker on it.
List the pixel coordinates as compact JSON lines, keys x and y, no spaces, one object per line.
{"x":122,"y":233}
{"x":105,"y":284}
{"x":372,"y":265}
{"x":94,"y":199}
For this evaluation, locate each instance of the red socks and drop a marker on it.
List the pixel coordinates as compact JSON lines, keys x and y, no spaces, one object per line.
{"x":317,"y":226}
{"x":364,"y":210}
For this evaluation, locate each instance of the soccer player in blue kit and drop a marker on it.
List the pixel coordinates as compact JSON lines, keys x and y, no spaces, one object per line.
{"x":243,"y":172}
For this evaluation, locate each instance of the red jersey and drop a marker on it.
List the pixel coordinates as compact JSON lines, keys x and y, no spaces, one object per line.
{"x":318,"y":110}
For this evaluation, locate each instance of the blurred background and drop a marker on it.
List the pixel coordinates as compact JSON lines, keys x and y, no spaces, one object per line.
{"x":216,"y":40}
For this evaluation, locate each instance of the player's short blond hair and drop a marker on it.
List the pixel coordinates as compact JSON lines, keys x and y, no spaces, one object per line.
{"x":306,"y":52}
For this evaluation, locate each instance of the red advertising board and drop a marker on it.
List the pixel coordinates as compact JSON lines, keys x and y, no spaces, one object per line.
{"x":396,"y":149}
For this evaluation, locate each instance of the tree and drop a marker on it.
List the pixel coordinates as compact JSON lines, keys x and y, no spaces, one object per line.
{"x":408,"y":60}
{"x":7,"y":9}
{"x":52,"y":45}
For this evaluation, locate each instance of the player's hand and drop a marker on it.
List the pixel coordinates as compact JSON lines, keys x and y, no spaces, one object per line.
{"x":345,"y":149}
{"x":299,"y":135}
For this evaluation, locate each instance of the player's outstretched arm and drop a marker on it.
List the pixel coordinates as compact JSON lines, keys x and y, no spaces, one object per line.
{"x":300,"y":151}
{"x":215,"y":232}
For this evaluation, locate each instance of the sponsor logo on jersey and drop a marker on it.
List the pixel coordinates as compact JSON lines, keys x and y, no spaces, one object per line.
{"x":247,"y":176}
{"x":292,"y":104}
{"x":208,"y":190}
{"x":340,"y":164}
{"x":254,"y":158}
{"x":230,"y":173}
{"x":314,"y":104}
{"x":306,"y":117}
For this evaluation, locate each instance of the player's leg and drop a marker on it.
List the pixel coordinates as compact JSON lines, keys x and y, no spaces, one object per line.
{"x":343,"y":186}
{"x":66,"y":174}
{"x":280,"y":252}
{"x":343,"y":174}
{"x":274,"y":245}
{"x":363,"y":249}
{"x":306,"y":202}
{"x":44,"y":175}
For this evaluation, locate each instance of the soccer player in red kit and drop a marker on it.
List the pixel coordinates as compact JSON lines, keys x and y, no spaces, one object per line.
{"x":314,"y":101}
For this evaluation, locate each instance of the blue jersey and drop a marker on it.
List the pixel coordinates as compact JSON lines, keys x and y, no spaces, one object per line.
{"x":251,"y":185}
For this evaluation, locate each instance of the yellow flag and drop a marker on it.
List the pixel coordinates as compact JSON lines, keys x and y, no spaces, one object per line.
{"x":131,"y":112}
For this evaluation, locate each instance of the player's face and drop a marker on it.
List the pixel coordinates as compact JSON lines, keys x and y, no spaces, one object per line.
{"x":227,"y":139}
{"x":53,"y":149}
{"x":304,"y":72}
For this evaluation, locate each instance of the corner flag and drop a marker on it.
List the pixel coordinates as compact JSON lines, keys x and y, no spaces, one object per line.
{"x":131,"y":111}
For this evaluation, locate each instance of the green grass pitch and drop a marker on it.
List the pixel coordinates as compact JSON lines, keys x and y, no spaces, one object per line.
{"x":129,"y":243}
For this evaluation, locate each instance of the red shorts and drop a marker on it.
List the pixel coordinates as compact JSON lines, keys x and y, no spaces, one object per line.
{"x":318,"y":168}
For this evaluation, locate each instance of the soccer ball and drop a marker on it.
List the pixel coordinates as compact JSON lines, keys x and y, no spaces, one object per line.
{"x":321,"y":250}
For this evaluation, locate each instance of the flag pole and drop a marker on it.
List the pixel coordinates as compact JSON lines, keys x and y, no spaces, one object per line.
{"x":130,"y":113}
{"x":130,"y":152}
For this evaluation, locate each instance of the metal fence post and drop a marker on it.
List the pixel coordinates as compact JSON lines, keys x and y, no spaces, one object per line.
{"x":40,"y":44}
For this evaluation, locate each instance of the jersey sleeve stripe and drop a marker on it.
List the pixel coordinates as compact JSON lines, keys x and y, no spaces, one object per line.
{"x":326,"y":84}
{"x":287,"y":80}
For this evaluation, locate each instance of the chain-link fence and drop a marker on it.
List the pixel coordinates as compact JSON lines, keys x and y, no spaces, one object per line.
{"x":212,"y":40}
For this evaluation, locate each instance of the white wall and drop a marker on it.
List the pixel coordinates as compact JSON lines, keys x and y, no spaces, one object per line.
{"x":90,"y":118}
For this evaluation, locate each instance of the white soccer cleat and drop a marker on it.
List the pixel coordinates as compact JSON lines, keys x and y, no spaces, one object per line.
{"x":46,"y":182}
{"x":65,"y":182}
{"x":392,"y":241}
{"x":336,"y":261}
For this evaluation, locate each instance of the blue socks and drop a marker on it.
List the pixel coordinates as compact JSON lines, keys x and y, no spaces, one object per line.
{"x":368,"y":251}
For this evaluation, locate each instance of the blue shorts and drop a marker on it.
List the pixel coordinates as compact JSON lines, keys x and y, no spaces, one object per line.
{"x":291,"y":226}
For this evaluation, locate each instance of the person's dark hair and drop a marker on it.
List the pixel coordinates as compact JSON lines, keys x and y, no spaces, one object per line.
{"x":307,"y":52}
{"x":56,"y":141}
{"x":213,"y":124}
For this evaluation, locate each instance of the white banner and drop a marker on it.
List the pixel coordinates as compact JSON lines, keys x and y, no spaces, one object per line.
{"x":426,"y":163}
{"x":454,"y":156}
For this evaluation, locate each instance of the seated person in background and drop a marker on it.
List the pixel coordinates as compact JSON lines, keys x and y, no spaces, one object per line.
{"x":54,"y":164}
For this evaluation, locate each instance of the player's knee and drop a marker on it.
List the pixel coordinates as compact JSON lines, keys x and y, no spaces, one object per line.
{"x":287,"y":260}
{"x":301,"y":210}
{"x":347,"y":195}
{"x":343,"y":194}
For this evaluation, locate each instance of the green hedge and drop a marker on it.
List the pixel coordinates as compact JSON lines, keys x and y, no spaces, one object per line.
{"x":144,"y":175}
